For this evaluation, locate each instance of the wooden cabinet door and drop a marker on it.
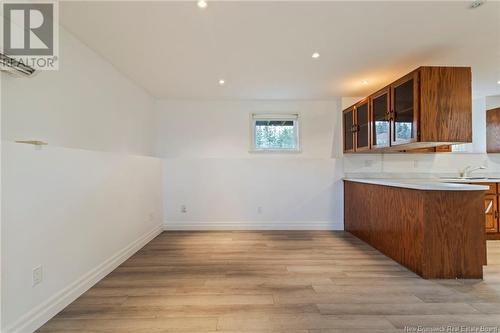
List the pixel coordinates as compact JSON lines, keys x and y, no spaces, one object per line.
{"x":380,"y":107}
{"x":491,"y":212}
{"x":405,"y":110}
{"x":493,"y":130}
{"x":349,"y":122}
{"x":362,"y":126}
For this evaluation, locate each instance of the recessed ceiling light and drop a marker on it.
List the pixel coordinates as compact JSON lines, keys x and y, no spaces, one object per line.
{"x":498,"y":82}
{"x":477,"y":3}
{"x":315,"y":55}
{"x":202,"y":4}
{"x":364,"y":82}
{"x":222,"y":82}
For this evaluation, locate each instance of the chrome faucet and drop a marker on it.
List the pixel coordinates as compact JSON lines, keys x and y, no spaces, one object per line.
{"x":465,"y":173}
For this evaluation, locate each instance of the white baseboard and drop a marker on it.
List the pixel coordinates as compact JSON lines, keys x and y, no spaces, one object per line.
{"x":252,"y":225}
{"x":39,"y":315}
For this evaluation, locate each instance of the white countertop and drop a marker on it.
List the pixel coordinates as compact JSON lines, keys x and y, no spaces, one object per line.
{"x":470,"y":180}
{"x":423,"y":184}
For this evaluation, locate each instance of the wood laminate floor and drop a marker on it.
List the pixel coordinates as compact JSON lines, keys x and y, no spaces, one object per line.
{"x":276,"y":281}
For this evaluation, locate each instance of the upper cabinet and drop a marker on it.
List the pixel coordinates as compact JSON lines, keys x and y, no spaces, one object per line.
{"x":349,"y":130}
{"x":493,"y":130}
{"x":362,"y":126}
{"x":404,"y":110}
{"x":380,"y":110}
{"x":429,"y":107}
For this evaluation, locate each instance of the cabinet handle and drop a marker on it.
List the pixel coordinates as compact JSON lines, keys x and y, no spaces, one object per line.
{"x":496,"y":214}
{"x":390,"y":115}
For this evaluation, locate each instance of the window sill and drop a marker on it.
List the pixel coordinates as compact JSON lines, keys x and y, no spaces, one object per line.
{"x":274,"y":151}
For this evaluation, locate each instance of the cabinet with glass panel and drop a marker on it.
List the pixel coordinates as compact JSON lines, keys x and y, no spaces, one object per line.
{"x":348,"y":121}
{"x":362,"y":126}
{"x":428,"y":108}
{"x":404,"y":109}
{"x":380,"y":118}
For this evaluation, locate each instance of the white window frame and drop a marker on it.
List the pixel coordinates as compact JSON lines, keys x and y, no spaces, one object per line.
{"x":295,"y":117}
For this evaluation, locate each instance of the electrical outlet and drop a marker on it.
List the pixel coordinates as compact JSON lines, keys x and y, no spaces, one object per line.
{"x":259,"y":210}
{"x":183,"y":209}
{"x":415,"y":164}
{"x":37,"y":275}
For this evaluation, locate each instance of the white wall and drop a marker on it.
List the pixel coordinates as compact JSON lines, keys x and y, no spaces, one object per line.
{"x":78,"y":213}
{"x":86,"y":104}
{"x":492,"y":102}
{"x":349,"y":101}
{"x":419,"y":165}
{"x":83,"y":204}
{"x":478,"y":126}
{"x":209,"y":169}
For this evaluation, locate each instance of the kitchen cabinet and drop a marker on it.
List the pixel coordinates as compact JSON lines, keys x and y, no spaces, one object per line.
{"x":362,"y":126}
{"x":491,"y":212}
{"x":438,"y":234}
{"x":493,"y":130}
{"x":404,"y":110}
{"x":443,"y":149}
{"x":348,"y":125}
{"x":438,"y":149}
{"x":427,"y":108}
{"x":380,"y":119}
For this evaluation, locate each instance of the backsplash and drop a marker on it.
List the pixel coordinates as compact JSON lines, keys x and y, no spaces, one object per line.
{"x":419,"y":165}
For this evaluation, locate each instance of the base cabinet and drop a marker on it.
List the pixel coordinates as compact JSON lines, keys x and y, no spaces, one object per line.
{"x":436,"y":234}
{"x":491,"y":211}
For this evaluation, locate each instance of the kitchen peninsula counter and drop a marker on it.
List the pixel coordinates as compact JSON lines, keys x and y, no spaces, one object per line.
{"x":433,"y":228}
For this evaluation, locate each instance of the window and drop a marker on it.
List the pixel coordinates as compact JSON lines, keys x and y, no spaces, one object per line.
{"x":275,"y":132}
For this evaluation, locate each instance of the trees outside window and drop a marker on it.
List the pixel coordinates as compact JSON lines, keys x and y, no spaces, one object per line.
{"x":271,"y":133}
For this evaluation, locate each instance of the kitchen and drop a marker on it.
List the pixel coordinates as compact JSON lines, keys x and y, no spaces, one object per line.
{"x":436,"y":224}
{"x":251,"y":166}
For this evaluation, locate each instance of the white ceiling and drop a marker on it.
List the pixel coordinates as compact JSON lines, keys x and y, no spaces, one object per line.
{"x":263,"y":49}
